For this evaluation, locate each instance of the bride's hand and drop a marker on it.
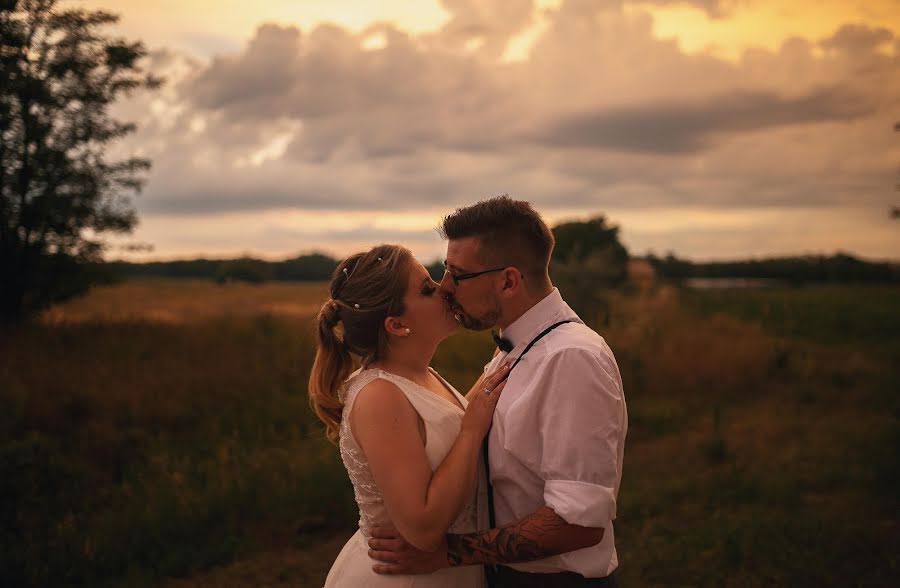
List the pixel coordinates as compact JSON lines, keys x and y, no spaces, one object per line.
{"x":482,"y":401}
{"x":478,"y":386}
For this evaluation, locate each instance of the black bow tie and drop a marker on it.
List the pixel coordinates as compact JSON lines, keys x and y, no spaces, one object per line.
{"x":503,"y":343}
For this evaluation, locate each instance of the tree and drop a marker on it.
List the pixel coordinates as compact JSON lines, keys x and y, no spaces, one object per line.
{"x":313,"y":266}
{"x":588,"y":260}
{"x":59,"y":194}
{"x":579,"y":240}
{"x":245,"y":269}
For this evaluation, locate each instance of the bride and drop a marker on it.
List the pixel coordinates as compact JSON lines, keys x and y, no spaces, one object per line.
{"x":409,"y":440}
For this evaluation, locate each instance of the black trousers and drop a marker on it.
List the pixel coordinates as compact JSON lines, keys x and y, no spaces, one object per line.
{"x":506,"y":577}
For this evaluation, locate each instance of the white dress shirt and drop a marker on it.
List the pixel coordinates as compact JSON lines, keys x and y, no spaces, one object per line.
{"x":559,"y":433}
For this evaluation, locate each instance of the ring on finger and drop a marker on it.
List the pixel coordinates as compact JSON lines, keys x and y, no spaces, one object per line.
{"x":488,"y":391}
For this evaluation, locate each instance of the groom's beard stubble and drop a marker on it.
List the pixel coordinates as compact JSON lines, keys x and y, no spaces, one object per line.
{"x":481,"y":323}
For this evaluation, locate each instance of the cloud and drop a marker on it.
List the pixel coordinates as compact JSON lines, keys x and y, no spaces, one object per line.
{"x":713,"y":8}
{"x":601,"y":116}
{"x":689,"y":128}
{"x":484,"y":26}
{"x":854,"y":38}
{"x":247,"y":82}
{"x":208,"y":44}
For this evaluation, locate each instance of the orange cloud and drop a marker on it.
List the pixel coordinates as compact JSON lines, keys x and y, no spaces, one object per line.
{"x":763,"y":23}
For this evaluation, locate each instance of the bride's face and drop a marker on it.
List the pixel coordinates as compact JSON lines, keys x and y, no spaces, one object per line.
{"x":427,"y":313}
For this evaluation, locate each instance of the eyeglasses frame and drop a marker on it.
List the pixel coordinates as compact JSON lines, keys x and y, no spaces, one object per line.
{"x":457,"y":278}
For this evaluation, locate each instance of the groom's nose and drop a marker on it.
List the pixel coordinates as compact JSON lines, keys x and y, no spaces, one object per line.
{"x":446,"y":287}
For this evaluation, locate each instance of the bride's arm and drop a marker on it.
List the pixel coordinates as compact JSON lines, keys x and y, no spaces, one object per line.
{"x":421,"y":504}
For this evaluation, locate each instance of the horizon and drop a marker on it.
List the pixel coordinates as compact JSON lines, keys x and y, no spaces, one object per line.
{"x":439,"y":259}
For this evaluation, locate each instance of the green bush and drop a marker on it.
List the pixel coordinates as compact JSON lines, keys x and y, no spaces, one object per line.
{"x":254,"y":271}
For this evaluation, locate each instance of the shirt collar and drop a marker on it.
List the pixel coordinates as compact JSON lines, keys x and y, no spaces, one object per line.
{"x":550,"y":309}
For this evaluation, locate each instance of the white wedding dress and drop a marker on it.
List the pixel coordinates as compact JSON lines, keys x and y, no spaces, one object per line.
{"x":443,"y":419}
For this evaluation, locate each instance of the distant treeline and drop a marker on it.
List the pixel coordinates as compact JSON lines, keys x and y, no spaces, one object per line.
{"x":811,"y":268}
{"x":318,"y":267}
{"x":311,"y":267}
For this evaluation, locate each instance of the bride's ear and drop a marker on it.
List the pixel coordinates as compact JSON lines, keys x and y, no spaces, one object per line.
{"x":394,"y":326}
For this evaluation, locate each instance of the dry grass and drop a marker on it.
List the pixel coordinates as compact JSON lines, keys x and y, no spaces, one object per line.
{"x":189,"y":301}
{"x":160,"y":428}
{"x":754,"y":458}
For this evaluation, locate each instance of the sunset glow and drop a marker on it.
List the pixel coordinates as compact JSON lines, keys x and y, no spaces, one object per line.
{"x":709,"y":128}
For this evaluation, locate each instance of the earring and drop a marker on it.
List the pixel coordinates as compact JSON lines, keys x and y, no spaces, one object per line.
{"x":408,"y":331}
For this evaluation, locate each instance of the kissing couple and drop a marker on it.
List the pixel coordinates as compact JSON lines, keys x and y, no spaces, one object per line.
{"x":513,"y":484}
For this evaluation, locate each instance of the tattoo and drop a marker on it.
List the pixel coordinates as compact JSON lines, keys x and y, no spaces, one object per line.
{"x":524,"y":540}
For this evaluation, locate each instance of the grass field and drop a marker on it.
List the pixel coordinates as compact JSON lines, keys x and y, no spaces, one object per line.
{"x":157,"y":433}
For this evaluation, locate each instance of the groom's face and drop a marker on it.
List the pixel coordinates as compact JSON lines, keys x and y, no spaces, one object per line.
{"x":475,"y":301}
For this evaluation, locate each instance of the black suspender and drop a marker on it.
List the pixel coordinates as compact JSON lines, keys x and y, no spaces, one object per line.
{"x":487,"y":465}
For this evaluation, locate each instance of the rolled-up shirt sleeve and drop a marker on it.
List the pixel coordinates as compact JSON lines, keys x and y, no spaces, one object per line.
{"x":581,"y":426}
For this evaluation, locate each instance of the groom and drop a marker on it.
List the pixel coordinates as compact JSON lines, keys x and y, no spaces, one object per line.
{"x":555,"y":449}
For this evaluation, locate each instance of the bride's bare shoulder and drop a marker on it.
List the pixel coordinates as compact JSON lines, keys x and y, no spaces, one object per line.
{"x":380,"y":400}
{"x":383,"y":414}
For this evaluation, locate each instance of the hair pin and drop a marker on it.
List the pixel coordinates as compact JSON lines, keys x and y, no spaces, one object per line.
{"x":356,"y":306}
{"x":379,"y":259}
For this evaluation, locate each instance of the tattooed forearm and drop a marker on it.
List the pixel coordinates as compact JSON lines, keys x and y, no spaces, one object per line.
{"x":495,"y":545}
{"x":541,"y":534}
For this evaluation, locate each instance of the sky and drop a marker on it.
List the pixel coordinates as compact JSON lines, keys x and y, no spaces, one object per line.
{"x":713,"y":129}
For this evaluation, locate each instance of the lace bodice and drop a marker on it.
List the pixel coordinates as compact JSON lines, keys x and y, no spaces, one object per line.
{"x":442,"y":419}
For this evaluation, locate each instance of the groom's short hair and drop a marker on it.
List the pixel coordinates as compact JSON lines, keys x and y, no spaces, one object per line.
{"x":511,"y":232}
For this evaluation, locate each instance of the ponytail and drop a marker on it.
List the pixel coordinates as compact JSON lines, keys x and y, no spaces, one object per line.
{"x":330,"y":368}
{"x":365,"y":289}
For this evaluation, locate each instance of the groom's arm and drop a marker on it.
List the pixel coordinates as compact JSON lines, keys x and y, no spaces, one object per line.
{"x":541,"y":534}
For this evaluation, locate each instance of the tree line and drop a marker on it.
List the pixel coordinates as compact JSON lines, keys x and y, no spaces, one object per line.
{"x":840,"y":267}
{"x":605,"y":265}
{"x":310,"y":267}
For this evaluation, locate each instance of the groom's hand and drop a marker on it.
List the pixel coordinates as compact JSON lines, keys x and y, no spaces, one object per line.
{"x":399,"y":557}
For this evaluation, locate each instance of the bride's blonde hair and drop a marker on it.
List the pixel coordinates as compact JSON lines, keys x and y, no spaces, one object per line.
{"x":365,"y":289}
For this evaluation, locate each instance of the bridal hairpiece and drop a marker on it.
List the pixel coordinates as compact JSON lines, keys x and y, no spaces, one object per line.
{"x":347,"y":274}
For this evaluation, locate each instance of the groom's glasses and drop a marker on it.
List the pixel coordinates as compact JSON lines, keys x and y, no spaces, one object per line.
{"x":457,"y":278}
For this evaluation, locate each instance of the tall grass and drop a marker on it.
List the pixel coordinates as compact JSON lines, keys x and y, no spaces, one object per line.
{"x":174,"y":435}
{"x":860,"y":316}
{"x":139,"y":449}
{"x":756,"y":458}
